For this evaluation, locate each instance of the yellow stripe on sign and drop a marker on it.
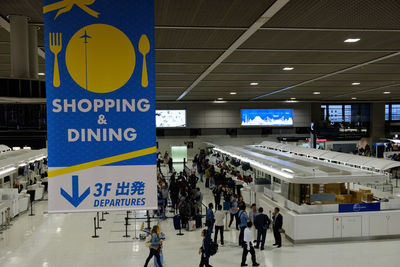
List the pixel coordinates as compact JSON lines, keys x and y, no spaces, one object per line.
{"x":105,"y":161}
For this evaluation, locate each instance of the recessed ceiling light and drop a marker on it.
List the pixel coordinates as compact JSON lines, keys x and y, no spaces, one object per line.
{"x":293,"y":98}
{"x":352,"y":40}
{"x":288,"y":68}
{"x":220,"y":98}
{"x":317,"y":93}
{"x":353,"y":98}
{"x":386,"y":93}
{"x":356,"y":83}
{"x":41,"y":73}
{"x":253,"y":84}
{"x":233,"y":93}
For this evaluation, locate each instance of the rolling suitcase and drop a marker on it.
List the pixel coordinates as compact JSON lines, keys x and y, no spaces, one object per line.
{"x":177,"y":221}
{"x":199,"y":222}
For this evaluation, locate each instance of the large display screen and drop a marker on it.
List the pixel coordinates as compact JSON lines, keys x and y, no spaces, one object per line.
{"x":170,"y":118}
{"x":267,"y":117}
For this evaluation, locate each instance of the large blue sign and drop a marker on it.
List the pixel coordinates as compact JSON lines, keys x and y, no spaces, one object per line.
{"x":267,"y":117}
{"x":360,"y":207}
{"x":100,"y":103}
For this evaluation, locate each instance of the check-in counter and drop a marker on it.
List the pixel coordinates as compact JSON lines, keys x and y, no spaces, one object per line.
{"x":10,"y":199}
{"x":23,"y":201}
{"x":39,"y":190}
{"x":3,"y":213}
{"x":320,"y":199}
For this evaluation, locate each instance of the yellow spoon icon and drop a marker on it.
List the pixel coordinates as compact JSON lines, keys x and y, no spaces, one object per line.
{"x":144,"y":49}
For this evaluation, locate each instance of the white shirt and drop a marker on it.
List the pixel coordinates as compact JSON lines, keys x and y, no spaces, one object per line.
{"x":248,"y":237}
{"x":219,"y":218}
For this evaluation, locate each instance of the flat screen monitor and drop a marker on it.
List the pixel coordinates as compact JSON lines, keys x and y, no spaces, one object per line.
{"x":267,"y":117}
{"x":170,"y":118}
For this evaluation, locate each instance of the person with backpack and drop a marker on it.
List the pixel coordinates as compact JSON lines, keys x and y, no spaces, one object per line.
{"x":248,"y":246}
{"x":243,"y":219}
{"x":204,"y":250}
{"x":261,"y":223}
{"x":155,"y":243}
{"x":219,"y":224}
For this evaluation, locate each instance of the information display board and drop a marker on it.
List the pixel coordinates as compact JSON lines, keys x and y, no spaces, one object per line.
{"x":267,"y":117}
{"x":170,"y":118}
{"x":100,"y":86}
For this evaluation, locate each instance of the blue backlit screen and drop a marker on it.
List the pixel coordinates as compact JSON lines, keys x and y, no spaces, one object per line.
{"x":267,"y":117}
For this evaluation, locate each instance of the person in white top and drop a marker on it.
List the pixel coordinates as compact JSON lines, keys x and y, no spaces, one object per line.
{"x":219,"y":224}
{"x":248,"y":246}
{"x":194,"y":168}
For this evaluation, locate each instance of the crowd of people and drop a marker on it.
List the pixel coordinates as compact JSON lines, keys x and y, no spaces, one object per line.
{"x":187,"y":200}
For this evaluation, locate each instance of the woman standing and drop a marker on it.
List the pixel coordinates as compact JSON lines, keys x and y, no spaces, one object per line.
{"x":155,"y":244}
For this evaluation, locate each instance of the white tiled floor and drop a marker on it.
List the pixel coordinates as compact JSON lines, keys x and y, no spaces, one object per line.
{"x":65,"y":240}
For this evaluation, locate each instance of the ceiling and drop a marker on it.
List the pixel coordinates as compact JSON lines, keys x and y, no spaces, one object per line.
{"x":198,"y":50}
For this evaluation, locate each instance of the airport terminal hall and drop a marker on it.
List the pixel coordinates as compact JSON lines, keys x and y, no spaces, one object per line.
{"x":210,"y":133}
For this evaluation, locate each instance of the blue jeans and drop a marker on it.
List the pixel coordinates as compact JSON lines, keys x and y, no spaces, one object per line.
{"x":155,"y":253}
{"x":210,"y":229}
{"x":201,"y":176}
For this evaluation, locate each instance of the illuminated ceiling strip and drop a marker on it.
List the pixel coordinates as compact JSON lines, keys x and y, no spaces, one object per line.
{"x":256,"y":164}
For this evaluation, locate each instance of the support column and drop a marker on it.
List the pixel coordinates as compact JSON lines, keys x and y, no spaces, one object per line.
{"x":377,"y":126}
{"x":19,"y":46}
{"x":33,"y":52}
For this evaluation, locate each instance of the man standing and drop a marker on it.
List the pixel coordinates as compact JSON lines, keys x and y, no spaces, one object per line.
{"x":219,"y":224}
{"x":217,"y":195}
{"x":278,"y":221}
{"x":234,"y":212}
{"x":261,"y":223}
{"x":210,"y":218}
{"x":253,"y":213}
{"x":248,"y":246}
{"x":243,"y":219}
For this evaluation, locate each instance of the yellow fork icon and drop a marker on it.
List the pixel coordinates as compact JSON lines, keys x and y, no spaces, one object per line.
{"x":55,"y":43}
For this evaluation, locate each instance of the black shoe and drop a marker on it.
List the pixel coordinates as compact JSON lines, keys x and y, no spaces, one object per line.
{"x":261,"y":248}
{"x":279,"y":246}
{"x":243,"y":264}
{"x":275,"y":244}
{"x":256,"y":264}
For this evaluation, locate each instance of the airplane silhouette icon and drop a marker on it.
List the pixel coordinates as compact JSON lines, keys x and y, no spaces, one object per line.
{"x":86,"y":37}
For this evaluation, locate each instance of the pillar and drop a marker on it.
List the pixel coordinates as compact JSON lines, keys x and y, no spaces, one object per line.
{"x":377,"y":126}
{"x":19,"y":46}
{"x":33,"y":52}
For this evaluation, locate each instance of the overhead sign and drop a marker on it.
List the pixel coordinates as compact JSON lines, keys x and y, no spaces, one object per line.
{"x":100,"y":104}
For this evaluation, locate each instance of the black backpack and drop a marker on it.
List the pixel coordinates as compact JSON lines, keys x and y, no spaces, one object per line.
{"x":213,"y":248}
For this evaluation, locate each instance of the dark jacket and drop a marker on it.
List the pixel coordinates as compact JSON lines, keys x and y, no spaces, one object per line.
{"x":205,"y":248}
{"x":278,"y":221}
{"x":262,"y":222}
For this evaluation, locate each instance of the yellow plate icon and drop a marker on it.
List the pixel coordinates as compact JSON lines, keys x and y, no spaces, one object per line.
{"x":100,"y":58}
